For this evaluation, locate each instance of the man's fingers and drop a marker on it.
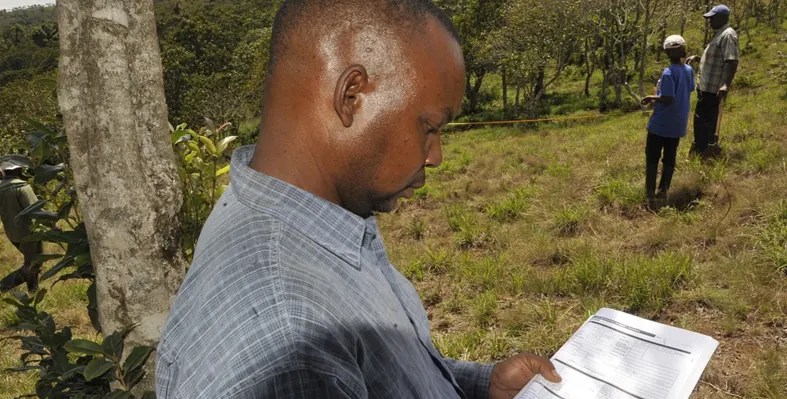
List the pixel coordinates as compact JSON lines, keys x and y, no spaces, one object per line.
{"x":544,"y":367}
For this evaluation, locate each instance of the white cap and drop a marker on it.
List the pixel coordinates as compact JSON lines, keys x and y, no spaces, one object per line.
{"x":674,"y":41}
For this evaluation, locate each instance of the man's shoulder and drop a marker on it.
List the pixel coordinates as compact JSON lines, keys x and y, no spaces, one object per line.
{"x":687,"y":70}
{"x":730,"y":33}
{"x":667,"y":71}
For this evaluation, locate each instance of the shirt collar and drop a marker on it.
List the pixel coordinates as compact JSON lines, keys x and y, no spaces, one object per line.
{"x":336,"y":229}
{"x":723,"y":28}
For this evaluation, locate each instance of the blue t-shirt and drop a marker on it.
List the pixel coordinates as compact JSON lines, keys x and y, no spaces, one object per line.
{"x":671,"y":120}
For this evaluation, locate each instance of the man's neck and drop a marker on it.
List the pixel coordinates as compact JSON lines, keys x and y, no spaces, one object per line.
{"x":676,"y":61}
{"x":723,"y":27}
{"x":294,"y":164}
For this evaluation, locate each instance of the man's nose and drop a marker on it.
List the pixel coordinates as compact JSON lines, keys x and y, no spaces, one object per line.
{"x":434,"y":152}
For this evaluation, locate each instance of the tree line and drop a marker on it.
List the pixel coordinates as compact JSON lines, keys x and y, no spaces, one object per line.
{"x":215,"y":54}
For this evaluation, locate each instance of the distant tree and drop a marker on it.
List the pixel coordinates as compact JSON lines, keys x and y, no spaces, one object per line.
{"x":476,"y":21}
{"x":538,"y":42}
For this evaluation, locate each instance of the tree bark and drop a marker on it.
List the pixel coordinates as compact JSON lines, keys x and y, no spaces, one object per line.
{"x":516,"y":99}
{"x":539,"y":86}
{"x":111,"y":96}
{"x":644,"y":48}
{"x":590,"y":67}
{"x":474,"y":89}
{"x":505,"y":93}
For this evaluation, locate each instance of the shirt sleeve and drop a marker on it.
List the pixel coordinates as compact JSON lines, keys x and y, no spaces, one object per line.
{"x":472,"y":377}
{"x":667,"y":84}
{"x":729,"y":46}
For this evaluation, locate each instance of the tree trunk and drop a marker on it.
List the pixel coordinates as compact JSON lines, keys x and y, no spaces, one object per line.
{"x":474,"y":89}
{"x":539,"y":86}
{"x":682,"y":23}
{"x":602,"y":102}
{"x":111,"y":95}
{"x":505,"y":93}
{"x":659,"y":48}
{"x":644,"y":56}
{"x":590,"y":67}
{"x":516,"y":99}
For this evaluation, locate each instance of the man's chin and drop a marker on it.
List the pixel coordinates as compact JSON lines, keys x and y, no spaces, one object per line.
{"x":387,"y":206}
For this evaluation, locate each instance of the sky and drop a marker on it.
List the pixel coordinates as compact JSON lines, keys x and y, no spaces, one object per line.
{"x":9,"y":4}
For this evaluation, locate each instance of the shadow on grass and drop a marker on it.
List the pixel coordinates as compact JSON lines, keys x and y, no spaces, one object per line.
{"x":684,"y":198}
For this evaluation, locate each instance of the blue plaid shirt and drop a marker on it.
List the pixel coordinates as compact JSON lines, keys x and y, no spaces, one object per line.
{"x":291,"y":296}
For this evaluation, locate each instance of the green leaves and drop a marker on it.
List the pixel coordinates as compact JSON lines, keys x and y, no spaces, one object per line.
{"x":222,"y":171}
{"x":208,"y":144}
{"x":44,"y":82}
{"x":85,"y":347}
{"x":113,"y":346}
{"x":35,"y":207}
{"x":137,"y":358}
{"x":45,"y":173}
{"x":18,"y":159}
{"x":223,"y":143}
{"x":119,"y":395}
{"x":97,"y":367}
{"x":180,"y":135}
{"x":202,"y":160}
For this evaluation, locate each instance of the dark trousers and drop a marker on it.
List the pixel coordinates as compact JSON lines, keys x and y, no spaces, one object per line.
{"x":706,"y":117}
{"x":27,"y":273}
{"x":653,"y":153}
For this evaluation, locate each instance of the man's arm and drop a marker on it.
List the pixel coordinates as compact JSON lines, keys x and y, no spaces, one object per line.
{"x":727,"y":75}
{"x":472,"y":377}
{"x":658,"y":99}
{"x":729,"y":46}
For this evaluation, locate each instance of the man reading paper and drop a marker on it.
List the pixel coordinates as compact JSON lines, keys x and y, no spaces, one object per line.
{"x":291,"y":294}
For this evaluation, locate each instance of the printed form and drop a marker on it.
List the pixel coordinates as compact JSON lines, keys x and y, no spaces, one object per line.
{"x":617,"y":355}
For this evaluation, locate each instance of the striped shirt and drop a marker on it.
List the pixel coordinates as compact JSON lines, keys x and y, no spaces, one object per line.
{"x":291,"y":296}
{"x":723,"y":47}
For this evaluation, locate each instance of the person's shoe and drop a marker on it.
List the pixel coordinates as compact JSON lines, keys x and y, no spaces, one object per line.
{"x":661,"y":198}
{"x":652,"y":202}
{"x":712,"y":152}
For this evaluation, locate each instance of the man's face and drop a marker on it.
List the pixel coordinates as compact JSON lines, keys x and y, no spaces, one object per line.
{"x":402,"y":128}
{"x":718,"y":20}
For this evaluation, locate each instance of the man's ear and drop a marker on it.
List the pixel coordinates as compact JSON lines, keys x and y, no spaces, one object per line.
{"x":345,"y":98}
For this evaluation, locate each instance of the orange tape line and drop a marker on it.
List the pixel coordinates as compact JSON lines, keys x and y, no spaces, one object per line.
{"x":525,"y":120}
{"x":531,"y":120}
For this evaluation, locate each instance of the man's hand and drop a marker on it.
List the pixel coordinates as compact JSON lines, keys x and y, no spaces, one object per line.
{"x":692,"y":59}
{"x":723,"y":91}
{"x":648,"y":99}
{"x":511,"y":375}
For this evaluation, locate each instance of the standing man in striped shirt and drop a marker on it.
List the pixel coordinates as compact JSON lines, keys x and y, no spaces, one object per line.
{"x":718,"y":65}
{"x":291,"y":294}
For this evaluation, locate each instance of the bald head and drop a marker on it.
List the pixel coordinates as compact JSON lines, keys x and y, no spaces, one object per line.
{"x":296,"y":19}
{"x":356,"y":98}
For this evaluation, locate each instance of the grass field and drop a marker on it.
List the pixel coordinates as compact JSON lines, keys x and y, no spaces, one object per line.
{"x":522,"y":233}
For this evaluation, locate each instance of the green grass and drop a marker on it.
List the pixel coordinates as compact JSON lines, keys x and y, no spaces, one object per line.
{"x":542,"y":227}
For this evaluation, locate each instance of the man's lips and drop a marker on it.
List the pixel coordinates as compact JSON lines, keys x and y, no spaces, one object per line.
{"x":410,"y":190}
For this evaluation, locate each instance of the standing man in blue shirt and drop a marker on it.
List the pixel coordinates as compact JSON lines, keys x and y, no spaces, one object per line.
{"x":669,"y":120}
{"x":291,"y":293}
